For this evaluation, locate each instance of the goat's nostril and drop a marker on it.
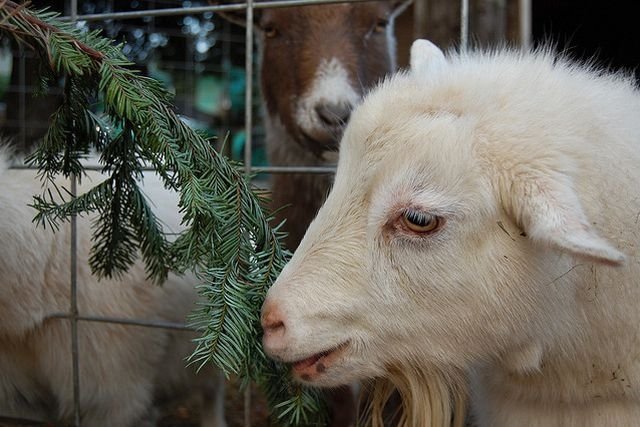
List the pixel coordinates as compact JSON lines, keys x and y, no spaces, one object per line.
{"x":272,"y":320}
{"x":332,"y":114}
{"x":273,"y":327}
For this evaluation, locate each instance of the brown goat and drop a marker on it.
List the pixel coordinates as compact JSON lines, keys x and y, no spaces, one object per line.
{"x":316,"y":63}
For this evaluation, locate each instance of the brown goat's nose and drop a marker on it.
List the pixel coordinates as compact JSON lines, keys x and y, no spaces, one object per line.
{"x":333,"y":114}
{"x":272,"y":321}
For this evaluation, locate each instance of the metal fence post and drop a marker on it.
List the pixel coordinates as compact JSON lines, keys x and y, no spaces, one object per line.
{"x":248,"y":149}
{"x":464,"y":25}
{"x":524,"y":11}
{"x":75,"y":357}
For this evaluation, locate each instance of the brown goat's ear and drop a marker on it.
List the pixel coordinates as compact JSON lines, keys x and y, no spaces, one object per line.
{"x":238,"y":17}
{"x":547,"y":208}
{"x":399,"y":6}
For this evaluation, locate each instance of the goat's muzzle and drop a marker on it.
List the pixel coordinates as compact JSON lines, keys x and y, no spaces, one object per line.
{"x":274,"y":329}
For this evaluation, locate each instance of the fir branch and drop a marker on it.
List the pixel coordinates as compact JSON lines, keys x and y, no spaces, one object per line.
{"x":228,"y":242}
{"x":25,"y":19}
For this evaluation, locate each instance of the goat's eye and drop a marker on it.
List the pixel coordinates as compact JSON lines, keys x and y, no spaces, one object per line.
{"x":381,"y":25}
{"x":420,"y":222}
{"x":269,"y":31}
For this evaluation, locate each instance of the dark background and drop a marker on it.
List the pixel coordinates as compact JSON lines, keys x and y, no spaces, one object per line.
{"x":607,"y":30}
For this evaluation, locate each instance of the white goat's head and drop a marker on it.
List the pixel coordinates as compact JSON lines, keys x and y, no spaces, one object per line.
{"x":439,"y":240}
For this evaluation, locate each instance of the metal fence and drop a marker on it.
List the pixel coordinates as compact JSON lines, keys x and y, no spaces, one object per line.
{"x":73,"y":15}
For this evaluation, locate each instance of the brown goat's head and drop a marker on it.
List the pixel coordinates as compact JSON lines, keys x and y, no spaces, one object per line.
{"x":318,"y":60}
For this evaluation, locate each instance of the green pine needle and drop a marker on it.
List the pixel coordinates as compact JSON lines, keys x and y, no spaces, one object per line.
{"x":228,"y":242}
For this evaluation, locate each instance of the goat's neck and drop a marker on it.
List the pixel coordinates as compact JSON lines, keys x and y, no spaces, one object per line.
{"x":283,"y":150}
{"x":302,"y":193}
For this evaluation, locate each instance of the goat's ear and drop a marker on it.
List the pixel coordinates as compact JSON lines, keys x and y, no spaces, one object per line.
{"x":547,"y":208}
{"x":238,"y":17}
{"x":399,"y":6}
{"x":426,"y":57}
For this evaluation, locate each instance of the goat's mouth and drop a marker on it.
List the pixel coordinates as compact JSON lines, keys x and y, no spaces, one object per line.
{"x":320,"y":145}
{"x":314,"y":366}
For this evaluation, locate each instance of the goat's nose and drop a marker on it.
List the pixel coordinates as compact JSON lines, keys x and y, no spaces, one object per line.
{"x":272,"y":321}
{"x":333,"y":114}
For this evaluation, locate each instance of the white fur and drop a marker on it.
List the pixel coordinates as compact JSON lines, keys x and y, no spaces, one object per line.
{"x":122,"y":368}
{"x":531,"y":285}
{"x":331,"y":84}
{"x":425,"y":58}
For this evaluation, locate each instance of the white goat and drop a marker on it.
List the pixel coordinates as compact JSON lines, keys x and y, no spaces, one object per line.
{"x":122,"y":368}
{"x":477,"y":226}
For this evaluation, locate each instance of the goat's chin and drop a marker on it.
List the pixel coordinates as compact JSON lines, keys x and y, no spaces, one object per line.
{"x":334,"y":376}
{"x":321,"y":144}
{"x":334,"y":368}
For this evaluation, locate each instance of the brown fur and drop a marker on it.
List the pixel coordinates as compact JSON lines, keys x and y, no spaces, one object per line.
{"x":305,"y":36}
{"x":295,"y":41}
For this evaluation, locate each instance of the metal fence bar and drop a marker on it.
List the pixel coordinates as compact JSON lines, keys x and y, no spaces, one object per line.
{"x":524,"y":11}
{"x":22,"y":94}
{"x":75,"y":359}
{"x":295,"y":169}
{"x":248,"y":94}
{"x":75,"y":356}
{"x":248,"y":145}
{"x":464,"y":25}
{"x":254,"y":169}
{"x":160,"y":324}
{"x":179,"y":11}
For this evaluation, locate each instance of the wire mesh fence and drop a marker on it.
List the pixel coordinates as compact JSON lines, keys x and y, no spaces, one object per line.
{"x":217,"y":56}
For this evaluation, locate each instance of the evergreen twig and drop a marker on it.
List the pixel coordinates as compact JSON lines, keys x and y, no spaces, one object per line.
{"x":228,"y":242}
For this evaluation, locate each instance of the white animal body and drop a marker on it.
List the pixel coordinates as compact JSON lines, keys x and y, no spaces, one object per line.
{"x":122,"y":367}
{"x":484,"y":223}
